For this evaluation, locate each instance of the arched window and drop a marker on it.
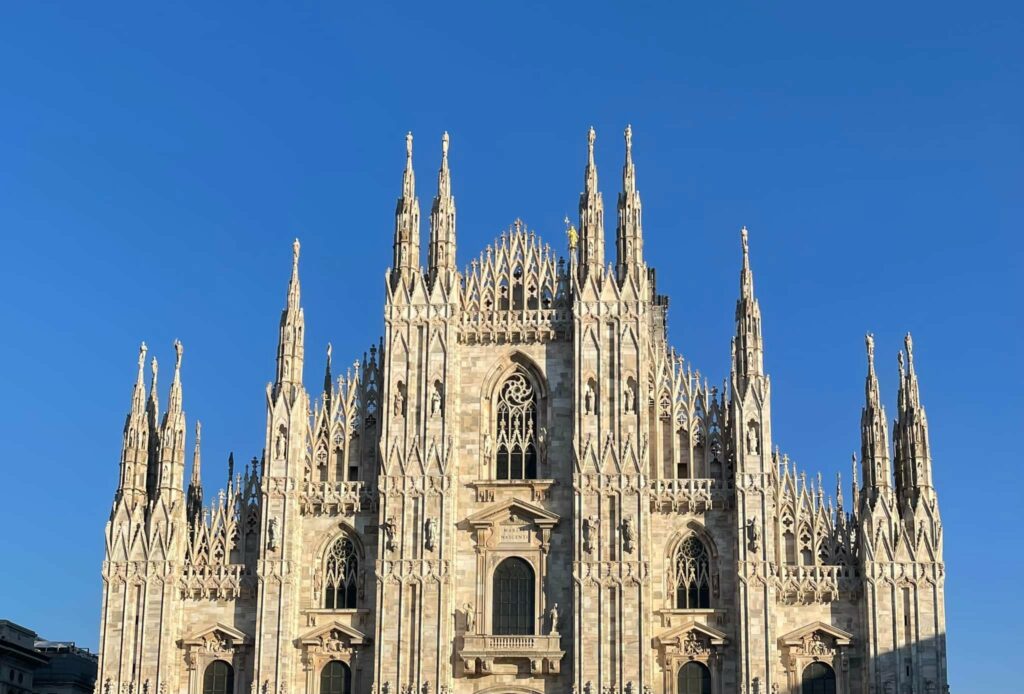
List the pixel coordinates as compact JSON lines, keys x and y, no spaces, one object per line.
{"x":335,"y":678}
{"x":692,"y":575}
{"x":340,"y":575}
{"x":819,"y":678}
{"x":694,"y":678}
{"x":516,"y":429}
{"x":219,"y":678}
{"x":512,"y":599}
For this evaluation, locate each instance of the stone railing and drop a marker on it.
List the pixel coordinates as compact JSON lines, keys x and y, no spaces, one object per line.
{"x":214,"y":581}
{"x":507,"y":325}
{"x":480,"y":650}
{"x":686,"y":495}
{"x":812,"y":584}
{"x":318,"y":498}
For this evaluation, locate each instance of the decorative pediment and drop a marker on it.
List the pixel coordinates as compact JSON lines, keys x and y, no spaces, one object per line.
{"x":816,"y":640}
{"x":513,"y":510}
{"x":333,"y":636}
{"x":691,"y":636}
{"x":217,"y":637}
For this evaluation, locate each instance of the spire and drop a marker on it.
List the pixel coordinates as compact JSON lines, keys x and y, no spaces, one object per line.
{"x":874,"y":432}
{"x":629,"y":237}
{"x":134,"y":447}
{"x":913,"y":452}
{"x":748,"y":346}
{"x":195,"y":486}
{"x":328,"y":383}
{"x":407,"y":223}
{"x":290,"y":350}
{"x":441,"y":261}
{"x":591,"y":227}
{"x":171,"y":467}
{"x":153,"y":427}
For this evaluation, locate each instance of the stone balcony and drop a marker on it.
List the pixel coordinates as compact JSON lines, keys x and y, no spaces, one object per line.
{"x":334,"y":498}
{"x":686,"y":495}
{"x":480,"y":651}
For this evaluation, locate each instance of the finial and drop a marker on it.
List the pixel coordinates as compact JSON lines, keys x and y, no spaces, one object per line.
{"x":869,"y":341}
{"x":295,"y":252}
{"x":142,"y":356}
{"x":444,"y":145}
{"x":199,"y":432}
{"x":329,"y":348}
{"x":743,"y":238}
{"x":629,"y":139}
{"x":178,"y":349}
{"x":408,"y":145}
{"x":899,"y":358}
{"x":591,"y":136}
{"x":153,"y":368}
{"x":518,"y":224}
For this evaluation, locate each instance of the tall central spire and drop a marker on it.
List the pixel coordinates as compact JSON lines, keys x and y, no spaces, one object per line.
{"x":291,"y":338}
{"x":407,"y":223}
{"x":629,"y":238}
{"x":874,"y":431}
{"x":913,"y":451}
{"x":748,"y":345}
{"x":591,"y":241}
{"x":441,"y":261}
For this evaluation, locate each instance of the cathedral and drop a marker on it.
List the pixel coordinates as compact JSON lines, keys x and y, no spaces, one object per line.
{"x":522,"y":488}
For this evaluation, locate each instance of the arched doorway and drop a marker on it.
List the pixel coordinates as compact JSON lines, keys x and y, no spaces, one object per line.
{"x":219,"y":678}
{"x":336,"y":678}
{"x":694,"y":678}
{"x":819,"y":678}
{"x":512,"y":598}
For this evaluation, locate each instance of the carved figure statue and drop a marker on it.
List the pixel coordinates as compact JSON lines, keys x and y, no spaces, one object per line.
{"x":470,"y":619}
{"x":435,"y":403}
{"x":588,"y":400}
{"x":542,"y":444}
{"x":628,"y":399}
{"x":628,"y":533}
{"x":399,"y":403}
{"x":553,"y":616}
{"x":389,"y":533}
{"x":272,"y":534}
{"x":589,"y":533}
{"x":752,"y":447}
{"x":429,"y":531}
{"x":755,"y":535}
{"x":279,"y":444}
{"x":487,"y":448}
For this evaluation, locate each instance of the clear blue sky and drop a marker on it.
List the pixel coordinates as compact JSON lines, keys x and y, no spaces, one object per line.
{"x":156,"y":161}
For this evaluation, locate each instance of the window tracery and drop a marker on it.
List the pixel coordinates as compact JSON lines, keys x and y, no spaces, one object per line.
{"x":340,"y":573}
{"x":516,"y":429}
{"x":692,"y":575}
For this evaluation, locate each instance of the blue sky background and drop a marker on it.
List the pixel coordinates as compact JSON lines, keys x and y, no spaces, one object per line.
{"x":156,"y":161}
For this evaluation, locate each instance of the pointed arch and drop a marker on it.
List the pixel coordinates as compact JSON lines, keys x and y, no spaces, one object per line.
{"x":693,"y":563}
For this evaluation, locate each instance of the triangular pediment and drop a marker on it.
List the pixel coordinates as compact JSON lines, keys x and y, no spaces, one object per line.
{"x":716,"y":637}
{"x":236,"y":636}
{"x":517,"y":507}
{"x":331,"y":630}
{"x":793,"y":638}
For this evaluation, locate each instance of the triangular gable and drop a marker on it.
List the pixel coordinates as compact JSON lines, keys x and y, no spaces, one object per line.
{"x":353,"y":636}
{"x":716,"y":637}
{"x":539,"y":516}
{"x":235,"y":635}
{"x":795,"y":638}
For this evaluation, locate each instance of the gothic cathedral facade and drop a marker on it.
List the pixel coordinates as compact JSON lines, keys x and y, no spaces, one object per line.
{"x":523,"y":489}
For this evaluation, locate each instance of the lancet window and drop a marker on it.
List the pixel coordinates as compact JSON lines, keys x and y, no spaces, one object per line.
{"x":516,"y":429}
{"x":818,"y":678}
{"x":336,"y":678}
{"x":219,"y":678}
{"x":513,"y":597}
{"x":694,"y":678}
{"x":692,"y":571}
{"x":340,"y":571}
